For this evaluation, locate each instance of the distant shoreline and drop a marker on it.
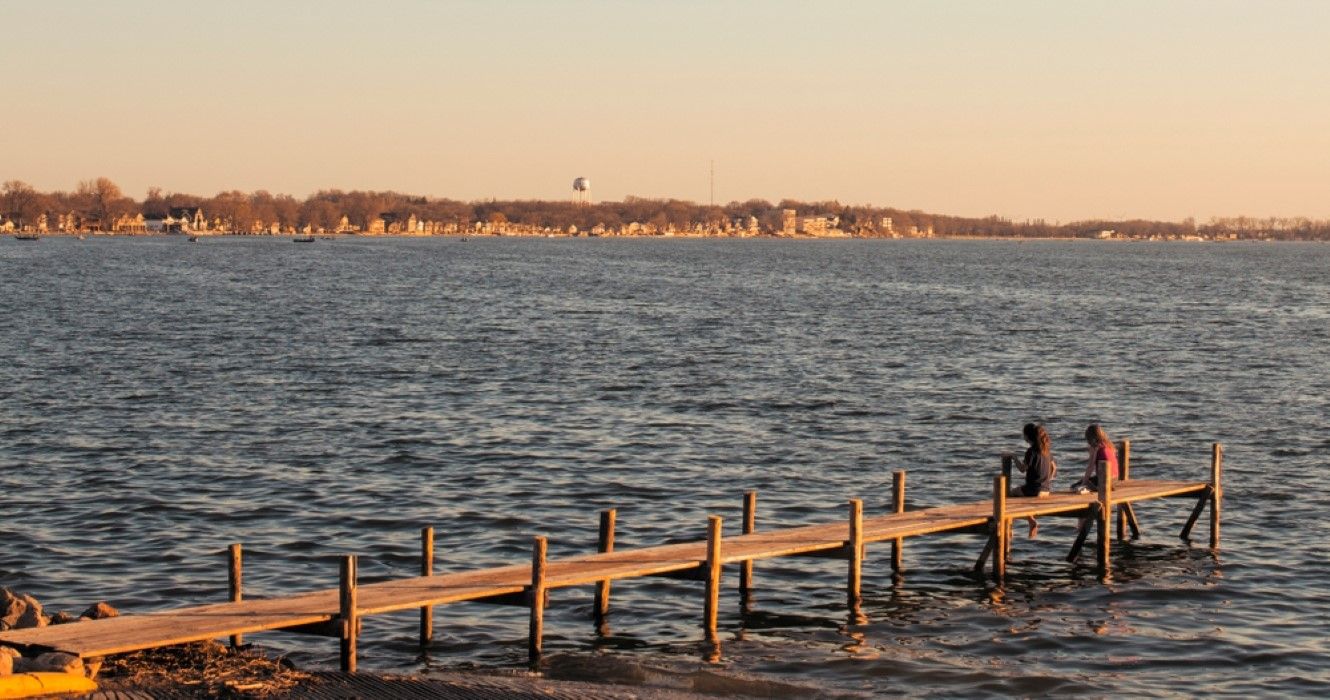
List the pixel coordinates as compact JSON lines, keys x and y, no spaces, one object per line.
{"x":363,"y":236}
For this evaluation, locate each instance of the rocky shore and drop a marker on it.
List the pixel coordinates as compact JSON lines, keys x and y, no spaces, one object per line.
{"x":22,"y":611}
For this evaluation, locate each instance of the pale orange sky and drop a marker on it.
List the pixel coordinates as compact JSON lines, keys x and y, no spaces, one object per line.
{"x":1058,"y":110}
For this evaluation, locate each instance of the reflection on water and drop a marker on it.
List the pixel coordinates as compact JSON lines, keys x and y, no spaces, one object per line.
{"x":161,"y":401}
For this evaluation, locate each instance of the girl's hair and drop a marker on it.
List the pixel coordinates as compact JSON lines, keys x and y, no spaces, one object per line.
{"x":1030,"y":431}
{"x":1095,"y":435}
{"x":1041,"y":441}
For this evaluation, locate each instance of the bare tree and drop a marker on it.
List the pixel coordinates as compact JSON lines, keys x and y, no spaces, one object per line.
{"x":102,"y":200}
{"x":20,"y":200}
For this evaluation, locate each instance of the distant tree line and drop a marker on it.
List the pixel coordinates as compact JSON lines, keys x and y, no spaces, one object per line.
{"x":101,"y":200}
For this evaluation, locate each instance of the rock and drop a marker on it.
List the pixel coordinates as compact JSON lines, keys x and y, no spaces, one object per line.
{"x":7,"y":658}
{"x":58,"y":662}
{"x":61,"y":618}
{"x":98,"y":611}
{"x":19,"y":611}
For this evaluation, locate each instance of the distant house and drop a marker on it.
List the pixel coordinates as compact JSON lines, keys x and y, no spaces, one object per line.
{"x":789,"y":222}
{"x":85,"y":222}
{"x":386,"y":222}
{"x":184,"y":220}
{"x":129,"y":224}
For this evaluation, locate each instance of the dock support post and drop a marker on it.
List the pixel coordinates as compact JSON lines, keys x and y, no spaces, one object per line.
{"x":999,"y":528}
{"x":350,"y":621}
{"x":235,"y":572}
{"x":604,"y":544}
{"x":1105,"y":519}
{"x":1083,"y":531}
{"x":1008,"y":465}
{"x":855,"y":548}
{"x":1124,"y":465}
{"x":749,"y":527}
{"x":1126,"y":511}
{"x":536,"y":599}
{"x":426,"y":569}
{"x":988,"y":550}
{"x":898,"y":506}
{"x":711,"y":605}
{"x":1201,"y":503}
{"x":1216,"y":492}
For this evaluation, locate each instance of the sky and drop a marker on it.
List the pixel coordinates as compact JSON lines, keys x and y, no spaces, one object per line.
{"x":1061,"y":110}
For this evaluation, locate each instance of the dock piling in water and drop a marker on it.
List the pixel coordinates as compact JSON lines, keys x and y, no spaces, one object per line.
{"x":749,"y":527}
{"x":855,"y":549}
{"x":1126,"y":511}
{"x":536,"y":599}
{"x":711,"y":603}
{"x":1105,"y":520}
{"x":897,"y":506}
{"x":1083,"y":531}
{"x":1000,"y":530}
{"x":235,"y":572}
{"x":426,"y":569}
{"x":604,"y":544}
{"x":350,"y":624}
{"x":1216,"y":492}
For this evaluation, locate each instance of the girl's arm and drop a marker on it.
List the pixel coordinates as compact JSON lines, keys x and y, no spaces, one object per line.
{"x":1089,"y":467}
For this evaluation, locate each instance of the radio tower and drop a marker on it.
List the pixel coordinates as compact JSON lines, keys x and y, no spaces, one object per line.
{"x":713,"y":183}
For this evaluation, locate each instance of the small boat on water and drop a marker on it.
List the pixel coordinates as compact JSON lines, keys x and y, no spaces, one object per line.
{"x":193,"y":239}
{"x":26,"y":237}
{"x":303,"y":239}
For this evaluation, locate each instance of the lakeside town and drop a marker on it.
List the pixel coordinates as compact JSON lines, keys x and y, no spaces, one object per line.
{"x":99,"y":207}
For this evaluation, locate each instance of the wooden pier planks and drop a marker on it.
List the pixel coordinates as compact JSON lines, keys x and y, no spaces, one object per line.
{"x":96,"y":638}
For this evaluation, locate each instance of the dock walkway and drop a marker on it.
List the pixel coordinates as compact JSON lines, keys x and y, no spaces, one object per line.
{"x":335,"y":612}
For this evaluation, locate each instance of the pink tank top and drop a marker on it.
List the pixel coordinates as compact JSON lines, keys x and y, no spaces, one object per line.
{"x":1108,"y":454}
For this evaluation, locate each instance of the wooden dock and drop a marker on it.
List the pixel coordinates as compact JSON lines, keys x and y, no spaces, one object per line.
{"x":336,"y":612}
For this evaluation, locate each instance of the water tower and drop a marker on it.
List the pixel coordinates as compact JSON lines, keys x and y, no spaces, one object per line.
{"x":581,"y":185}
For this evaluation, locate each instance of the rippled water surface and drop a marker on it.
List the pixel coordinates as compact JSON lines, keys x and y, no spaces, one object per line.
{"x":159,"y":400}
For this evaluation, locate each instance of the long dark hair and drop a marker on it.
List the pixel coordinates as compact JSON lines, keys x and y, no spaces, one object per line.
{"x":1037,"y":436}
{"x":1044,"y":444}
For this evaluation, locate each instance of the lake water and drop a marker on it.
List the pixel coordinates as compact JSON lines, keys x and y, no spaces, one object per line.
{"x":160,"y":400}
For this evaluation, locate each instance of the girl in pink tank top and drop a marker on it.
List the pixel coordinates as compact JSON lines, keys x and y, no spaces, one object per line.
{"x":1103,"y":457}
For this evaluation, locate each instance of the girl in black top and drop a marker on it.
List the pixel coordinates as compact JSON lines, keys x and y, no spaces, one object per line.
{"x":1039,"y":468}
